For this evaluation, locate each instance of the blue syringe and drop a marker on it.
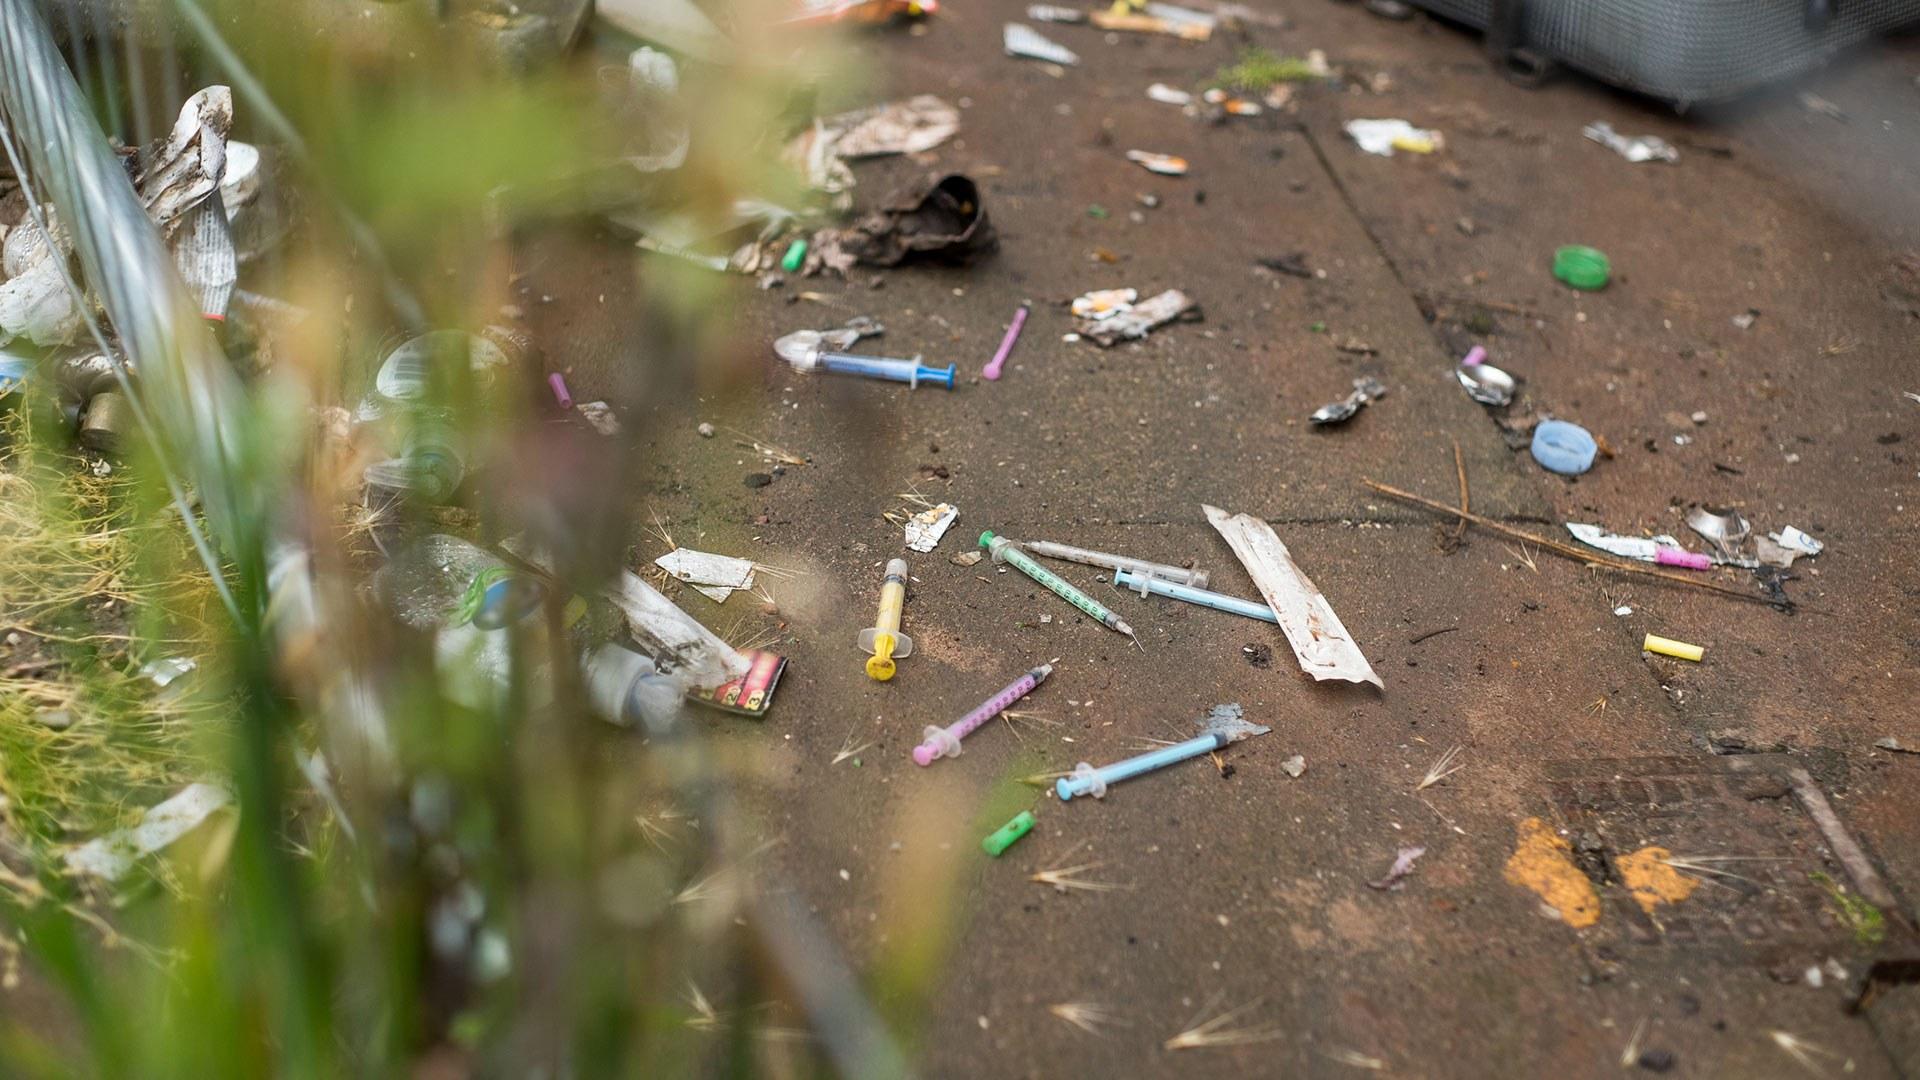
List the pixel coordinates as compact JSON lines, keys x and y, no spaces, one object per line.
{"x":1222,"y":726}
{"x":1204,"y":597}
{"x":807,"y":350}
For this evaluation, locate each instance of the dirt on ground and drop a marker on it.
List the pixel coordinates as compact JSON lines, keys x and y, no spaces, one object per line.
{"x":1536,"y":935}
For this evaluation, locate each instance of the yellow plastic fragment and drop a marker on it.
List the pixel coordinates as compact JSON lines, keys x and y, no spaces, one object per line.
{"x":1679,"y":650}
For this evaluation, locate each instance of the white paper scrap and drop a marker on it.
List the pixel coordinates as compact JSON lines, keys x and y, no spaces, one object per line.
{"x":1320,"y":642}
{"x":114,"y":854}
{"x":1382,"y":137}
{"x":715,"y":576}
{"x":1025,"y":41}
{"x":1627,"y":547}
{"x":1794,"y":540}
{"x":925,"y":528}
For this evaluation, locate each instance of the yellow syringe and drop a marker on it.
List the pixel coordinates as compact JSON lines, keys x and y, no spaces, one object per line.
{"x":884,"y":639}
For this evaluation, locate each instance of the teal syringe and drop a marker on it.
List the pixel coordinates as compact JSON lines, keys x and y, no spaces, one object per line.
{"x":1004,"y":551}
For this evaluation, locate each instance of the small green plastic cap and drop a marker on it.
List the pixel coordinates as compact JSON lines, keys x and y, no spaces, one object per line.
{"x":1003,"y":838}
{"x":1582,"y":267}
{"x":986,"y":539}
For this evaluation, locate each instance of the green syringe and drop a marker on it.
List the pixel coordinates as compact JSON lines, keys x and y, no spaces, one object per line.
{"x":1005,"y":551}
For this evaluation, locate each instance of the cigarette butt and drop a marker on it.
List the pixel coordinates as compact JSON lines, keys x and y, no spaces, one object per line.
{"x":1669,"y":647}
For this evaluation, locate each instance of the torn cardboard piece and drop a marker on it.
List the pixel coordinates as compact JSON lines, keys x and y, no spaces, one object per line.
{"x":1321,"y":644}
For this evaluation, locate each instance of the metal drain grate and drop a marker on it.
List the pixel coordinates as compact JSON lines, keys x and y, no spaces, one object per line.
{"x":1762,"y":826}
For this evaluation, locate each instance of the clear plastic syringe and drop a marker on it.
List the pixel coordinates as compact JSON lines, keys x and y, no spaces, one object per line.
{"x":1179,"y":575}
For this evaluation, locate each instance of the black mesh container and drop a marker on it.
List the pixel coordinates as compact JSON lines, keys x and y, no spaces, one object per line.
{"x":1686,"y":51}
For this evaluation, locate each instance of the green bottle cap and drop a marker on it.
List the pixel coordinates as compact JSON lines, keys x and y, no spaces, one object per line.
{"x":1582,"y":267}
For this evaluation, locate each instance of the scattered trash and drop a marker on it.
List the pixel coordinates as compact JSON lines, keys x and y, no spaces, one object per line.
{"x":562,"y":396}
{"x":599,"y":416}
{"x":1365,"y":390}
{"x":107,"y":422}
{"x":998,"y":841}
{"x":1679,"y":650}
{"x":625,"y":687}
{"x":1183,"y":23}
{"x":1102,"y":304}
{"x":1484,"y":383}
{"x":1027,"y":43}
{"x":942,"y":220}
{"x":1782,"y":548}
{"x":1319,"y":641}
{"x":939,"y":742}
{"x":1397,"y":873}
{"x":1542,"y":861}
{"x":968,"y":558}
{"x":1562,"y":447}
{"x":992,"y":371}
{"x":1582,"y":267}
{"x":795,"y":257}
{"x":913,"y":126}
{"x":111,"y":856}
{"x":1132,"y":321}
{"x":1726,"y":530}
{"x":883,"y":639}
{"x":1218,"y":729}
{"x":752,"y":693}
{"x":1230,"y":105}
{"x":15,"y":370}
{"x":860,"y":12}
{"x":1295,"y":766}
{"x":1049,"y":550}
{"x":1164,"y":164}
{"x":1003,"y":551}
{"x":1167,"y":95}
{"x":1747,"y":318}
{"x":1635,"y":148}
{"x":679,"y":25}
{"x":1055,"y":14}
{"x":1144,"y":585}
{"x":713,"y":576}
{"x":925,"y":528}
{"x":1383,"y":137}
{"x":167,"y":670}
{"x":806,"y":350}
{"x":1638,"y":548}
{"x":677,"y":642}
{"x":1569,"y":550}
{"x":705,"y":430}
{"x":411,"y":371}
{"x":1895,"y":745}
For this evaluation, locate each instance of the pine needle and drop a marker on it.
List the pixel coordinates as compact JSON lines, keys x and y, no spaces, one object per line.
{"x":1219,"y":1031}
{"x":1802,"y":1051}
{"x":1441,"y":769}
{"x":1632,"y":1052}
{"x":1355,"y":1059}
{"x":848,"y":750}
{"x":1087,"y":1016}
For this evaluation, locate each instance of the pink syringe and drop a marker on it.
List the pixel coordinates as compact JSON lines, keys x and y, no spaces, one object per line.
{"x":939,"y":742}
